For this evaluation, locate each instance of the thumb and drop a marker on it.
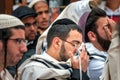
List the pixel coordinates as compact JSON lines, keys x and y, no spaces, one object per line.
{"x":71,"y":56}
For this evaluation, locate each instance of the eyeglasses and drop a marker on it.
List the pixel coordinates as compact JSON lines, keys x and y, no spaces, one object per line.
{"x":19,"y":40}
{"x":75,"y":43}
{"x":30,"y":24}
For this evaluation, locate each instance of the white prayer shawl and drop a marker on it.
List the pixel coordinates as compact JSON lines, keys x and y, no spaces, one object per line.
{"x":5,"y":75}
{"x":37,"y":67}
{"x":73,"y":11}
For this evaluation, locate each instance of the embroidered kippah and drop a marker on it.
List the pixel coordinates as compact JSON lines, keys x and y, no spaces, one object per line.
{"x":7,"y":21}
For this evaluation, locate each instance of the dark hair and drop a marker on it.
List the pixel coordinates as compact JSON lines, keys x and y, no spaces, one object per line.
{"x":20,"y":1}
{"x":64,"y":21}
{"x":61,"y":31}
{"x":5,"y":34}
{"x":94,"y":15}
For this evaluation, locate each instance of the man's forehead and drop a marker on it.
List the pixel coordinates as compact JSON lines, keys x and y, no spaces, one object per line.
{"x":102,"y":21}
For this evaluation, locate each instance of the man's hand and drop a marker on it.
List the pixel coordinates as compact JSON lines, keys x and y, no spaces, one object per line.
{"x":110,"y":29}
{"x":84,"y":57}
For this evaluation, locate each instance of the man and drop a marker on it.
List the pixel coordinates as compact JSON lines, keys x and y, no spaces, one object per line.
{"x":43,"y":17}
{"x":98,"y":31}
{"x":112,"y":68}
{"x":63,"y":39}
{"x":12,"y":43}
{"x":112,"y":8}
{"x":78,"y":9}
{"x":27,"y":16}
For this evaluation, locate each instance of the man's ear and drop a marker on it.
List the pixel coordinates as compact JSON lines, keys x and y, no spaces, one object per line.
{"x":91,"y":36}
{"x":57,"y":42}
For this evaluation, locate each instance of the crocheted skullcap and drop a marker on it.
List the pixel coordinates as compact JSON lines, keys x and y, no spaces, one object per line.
{"x":7,"y":21}
{"x":33,"y":2}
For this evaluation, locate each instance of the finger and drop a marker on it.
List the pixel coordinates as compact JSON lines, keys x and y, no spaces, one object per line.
{"x":108,"y":33}
{"x":71,"y":56}
{"x":112,"y":24}
{"x":74,"y":61}
{"x":83,"y":48}
{"x":85,"y":63}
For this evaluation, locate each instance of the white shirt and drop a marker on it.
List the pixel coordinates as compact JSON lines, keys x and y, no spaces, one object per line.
{"x":5,"y":75}
{"x":108,"y":10}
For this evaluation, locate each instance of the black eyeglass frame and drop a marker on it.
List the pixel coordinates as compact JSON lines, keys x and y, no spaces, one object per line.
{"x":74,"y":45}
{"x":18,"y":40}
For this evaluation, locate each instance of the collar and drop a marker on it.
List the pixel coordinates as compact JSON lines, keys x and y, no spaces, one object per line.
{"x":93,"y":50}
{"x":48,"y":57}
{"x":103,"y":6}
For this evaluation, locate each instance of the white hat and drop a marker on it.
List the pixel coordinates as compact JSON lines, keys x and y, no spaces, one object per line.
{"x":33,"y":2}
{"x":7,"y":21}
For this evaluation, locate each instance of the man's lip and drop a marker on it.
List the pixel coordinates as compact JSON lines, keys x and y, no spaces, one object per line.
{"x":20,"y":56}
{"x":45,"y":22}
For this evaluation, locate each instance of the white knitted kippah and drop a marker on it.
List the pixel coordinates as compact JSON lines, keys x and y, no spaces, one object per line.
{"x":33,"y":2}
{"x":7,"y":21}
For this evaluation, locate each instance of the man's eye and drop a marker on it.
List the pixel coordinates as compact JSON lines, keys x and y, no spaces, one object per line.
{"x":20,"y":40}
{"x":39,"y":13}
{"x":27,"y":24}
{"x":46,"y":12}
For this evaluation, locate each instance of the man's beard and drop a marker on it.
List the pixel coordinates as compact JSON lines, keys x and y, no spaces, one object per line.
{"x":104,"y":43}
{"x":63,"y":54}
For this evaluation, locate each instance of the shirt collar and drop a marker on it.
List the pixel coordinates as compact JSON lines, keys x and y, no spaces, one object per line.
{"x":48,"y":57}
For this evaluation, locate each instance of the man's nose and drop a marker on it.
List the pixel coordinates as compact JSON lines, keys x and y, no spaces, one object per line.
{"x":23,"y":47}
